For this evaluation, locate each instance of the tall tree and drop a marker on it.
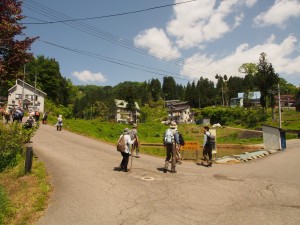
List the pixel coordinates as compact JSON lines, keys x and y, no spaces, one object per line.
{"x":13,"y":49}
{"x":49,"y":79}
{"x":249,"y":69}
{"x":168,"y":87}
{"x":155,"y":89}
{"x":266,"y":80}
{"x":235,"y":85}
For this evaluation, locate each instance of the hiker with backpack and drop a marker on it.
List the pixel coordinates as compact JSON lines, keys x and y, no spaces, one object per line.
{"x":126,"y":142}
{"x":59,"y":123}
{"x":171,"y":143}
{"x":178,"y":149}
{"x":208,"y":146}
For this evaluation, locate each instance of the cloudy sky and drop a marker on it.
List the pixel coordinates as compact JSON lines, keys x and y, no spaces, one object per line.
{"x":113,"y":41}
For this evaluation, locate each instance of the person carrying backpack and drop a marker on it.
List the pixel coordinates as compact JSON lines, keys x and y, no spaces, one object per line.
{"x":171,"y":143}
{"x":126,"y":153}
{"x":207,"y":147}
{"x":59,"y":123}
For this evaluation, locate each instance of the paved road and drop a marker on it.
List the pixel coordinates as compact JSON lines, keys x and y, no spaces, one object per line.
{"x":87,"y":189}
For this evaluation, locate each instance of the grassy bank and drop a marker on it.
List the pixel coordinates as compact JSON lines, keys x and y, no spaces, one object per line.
{"x":23,"y":198}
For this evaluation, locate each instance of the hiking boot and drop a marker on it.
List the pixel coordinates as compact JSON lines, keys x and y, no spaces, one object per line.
{"x":173,"y":171}
{"x":165,"y":170}
{"x":209,"y":164}
{"x":137,"y":156}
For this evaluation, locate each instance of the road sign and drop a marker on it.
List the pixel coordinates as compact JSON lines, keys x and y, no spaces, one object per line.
{"x":190,"y":145}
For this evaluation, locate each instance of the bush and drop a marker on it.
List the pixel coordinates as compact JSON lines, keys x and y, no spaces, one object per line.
{"x":12,"y":140}
{"x":236,"y":116}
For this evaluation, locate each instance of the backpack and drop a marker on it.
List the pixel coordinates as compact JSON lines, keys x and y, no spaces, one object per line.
{"x":169,"y":137}
{"x":121,"y":144}
{"x":181,"y":140}
{"x":211,"y":141}
{"x":132,"y":134}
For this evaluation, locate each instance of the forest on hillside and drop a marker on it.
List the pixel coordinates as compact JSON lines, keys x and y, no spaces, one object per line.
{"x":199,"y":93}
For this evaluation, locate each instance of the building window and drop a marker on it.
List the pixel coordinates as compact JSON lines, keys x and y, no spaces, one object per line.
{"x":18,"y":96}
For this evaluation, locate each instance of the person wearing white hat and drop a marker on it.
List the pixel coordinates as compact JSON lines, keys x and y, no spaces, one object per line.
{"x":126,"y":153}
{"x":171,"y":141}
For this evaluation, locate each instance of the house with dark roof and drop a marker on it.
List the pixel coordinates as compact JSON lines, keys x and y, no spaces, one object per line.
{"x":26,"y":96}
{"x":178,"y":111}
{"x":297,"y":104}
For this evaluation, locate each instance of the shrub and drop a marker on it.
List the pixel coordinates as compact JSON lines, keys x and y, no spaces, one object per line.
{"x":237,"y":116}
{"x":12,"y":140}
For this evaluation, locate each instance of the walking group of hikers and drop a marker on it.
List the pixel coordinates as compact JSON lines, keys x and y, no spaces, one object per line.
{"x":172,"y":141}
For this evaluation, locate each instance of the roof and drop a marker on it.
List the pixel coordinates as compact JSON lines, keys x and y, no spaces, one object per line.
{"x":179,"y":108}
{"x":123,"y":104}
{"x":26,"y":85}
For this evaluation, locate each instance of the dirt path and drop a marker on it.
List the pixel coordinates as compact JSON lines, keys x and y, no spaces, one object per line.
{"x":87,"y":189}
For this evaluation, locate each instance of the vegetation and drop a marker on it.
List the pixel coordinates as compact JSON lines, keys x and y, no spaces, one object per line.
{"x":23,"y":198}
{"x":13,"y":49}
{"x":12,"y":140}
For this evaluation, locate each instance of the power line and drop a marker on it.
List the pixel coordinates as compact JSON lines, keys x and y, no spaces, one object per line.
{"x":119,"y":62}
{"x":112,"y":15}
{"x":93,"y":31}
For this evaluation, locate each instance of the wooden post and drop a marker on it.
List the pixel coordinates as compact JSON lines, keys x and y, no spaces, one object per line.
{"x":28,"y":160}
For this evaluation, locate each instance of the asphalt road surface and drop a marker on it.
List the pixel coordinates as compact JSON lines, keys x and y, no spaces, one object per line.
{"x":87,"y":189}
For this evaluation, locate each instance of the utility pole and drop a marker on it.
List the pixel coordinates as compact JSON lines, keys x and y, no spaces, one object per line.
{"x":34,"y":93}
{"x":279,"y":106}
{"x":23,"y":97}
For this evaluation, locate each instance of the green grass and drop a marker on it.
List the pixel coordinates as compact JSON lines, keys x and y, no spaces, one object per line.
{"x":4,"y":205}
{"x":23,"y":198}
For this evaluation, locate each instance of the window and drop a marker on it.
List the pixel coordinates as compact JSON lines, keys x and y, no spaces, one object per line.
{"x":18,"y":96}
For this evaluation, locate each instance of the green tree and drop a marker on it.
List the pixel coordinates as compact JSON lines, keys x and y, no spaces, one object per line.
{"x":13,"y":49}
{"x":266,"y":80}
{"x":155,"y":89}
{"x":168,"y":88}
{"x":50,"y":80}
{"x":249,"y":69}
{"x":235,"y":86}
{"x":222,"y":88}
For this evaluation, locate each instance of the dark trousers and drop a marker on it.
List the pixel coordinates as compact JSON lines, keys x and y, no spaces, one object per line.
{"x":171,"y":154}
{"x":207,"y":153}
{"x":125,"y":160}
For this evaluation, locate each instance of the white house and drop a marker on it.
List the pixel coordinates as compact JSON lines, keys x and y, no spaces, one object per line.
{"x":124,"y":115}
{"x":253,"y":99}
{"x":179,"y":111}
{"x":33,"y":98}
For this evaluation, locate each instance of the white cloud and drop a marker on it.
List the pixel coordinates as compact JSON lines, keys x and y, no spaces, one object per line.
{"x":158,"y":43}
{"x":277,"y":54}
{"x":87,"y":76}
{"x":250,"y":3}
{"x":205,"y":21}
{"x":279,"y":13}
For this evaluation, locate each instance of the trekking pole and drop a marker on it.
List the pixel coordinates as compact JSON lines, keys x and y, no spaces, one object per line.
{"x":131,"y":157}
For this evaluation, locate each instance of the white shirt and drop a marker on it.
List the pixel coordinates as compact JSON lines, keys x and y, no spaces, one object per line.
{"x":128,"y":142}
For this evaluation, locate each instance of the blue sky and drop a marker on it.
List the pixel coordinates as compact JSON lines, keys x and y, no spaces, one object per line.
{"x":187,"y":41}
